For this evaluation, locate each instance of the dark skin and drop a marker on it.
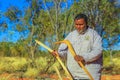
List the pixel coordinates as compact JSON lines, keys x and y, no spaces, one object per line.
{"x":77,"y":57}
{"x":80,"y":26}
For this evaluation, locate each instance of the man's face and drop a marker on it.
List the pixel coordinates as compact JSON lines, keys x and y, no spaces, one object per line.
{"x":80,"y":25}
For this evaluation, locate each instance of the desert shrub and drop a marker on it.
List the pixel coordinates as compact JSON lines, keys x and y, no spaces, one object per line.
{"x":52,"y":68}
{"x":111,"y":65}
{"x":41,"y":63}
{"x":19,"y":64}
{"x":31,"y":73}
{"x":116,"y":68}
{"x":12,"y":64}
{"x":25,"y":67}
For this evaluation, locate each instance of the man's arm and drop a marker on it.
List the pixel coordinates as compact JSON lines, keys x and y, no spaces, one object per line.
{"x":62,"y":50}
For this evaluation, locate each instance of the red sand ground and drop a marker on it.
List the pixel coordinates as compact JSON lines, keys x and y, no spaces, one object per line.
{"x":55,"y":77}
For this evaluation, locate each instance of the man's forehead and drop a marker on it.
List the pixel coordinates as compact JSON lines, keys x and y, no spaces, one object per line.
{"x":80,"y":20}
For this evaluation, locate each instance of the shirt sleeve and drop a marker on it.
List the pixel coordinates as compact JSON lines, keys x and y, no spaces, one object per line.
{"x":63,"y":48}
{"x":96,"y":51}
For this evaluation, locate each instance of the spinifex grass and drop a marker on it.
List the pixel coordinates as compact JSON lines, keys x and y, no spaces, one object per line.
{"x":12,"y":64}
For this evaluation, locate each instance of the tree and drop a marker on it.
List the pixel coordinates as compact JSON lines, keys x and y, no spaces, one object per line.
{"x":52,"y":23}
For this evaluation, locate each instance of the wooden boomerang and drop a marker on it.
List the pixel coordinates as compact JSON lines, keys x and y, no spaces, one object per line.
{"x":57,"y":57}
{"x":74,"y":54}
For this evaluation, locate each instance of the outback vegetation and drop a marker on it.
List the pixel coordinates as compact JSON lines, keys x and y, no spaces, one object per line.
{"x":26,"y":59}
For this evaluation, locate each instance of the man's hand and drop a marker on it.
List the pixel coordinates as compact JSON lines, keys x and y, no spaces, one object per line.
{"x":55,"y":53}
{"x":79,"y":58}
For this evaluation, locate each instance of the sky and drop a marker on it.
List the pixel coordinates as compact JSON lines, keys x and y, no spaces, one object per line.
{"x":12,"y":36}
{"x":4,"y":4}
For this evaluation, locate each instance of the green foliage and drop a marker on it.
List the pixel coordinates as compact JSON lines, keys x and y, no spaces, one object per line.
{"x":12,"y":64}
{"x":51,"y":25}
{"x":28,"y":14}
{"x":111,"y":66}
{"x":116,"y":63}
{"x":20,"y":28}
{"x":31,"y":73}
{"x":5,"y":48}
{"x":52,"y":68}
{"x":4,"y":24}
{"x":12,"y":13}
{"x":26,"y":67}
{"x":19,"y":64}
{"x":41,"y":63}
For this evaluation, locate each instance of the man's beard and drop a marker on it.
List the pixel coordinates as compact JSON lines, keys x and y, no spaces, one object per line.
{"x":82,"y":31}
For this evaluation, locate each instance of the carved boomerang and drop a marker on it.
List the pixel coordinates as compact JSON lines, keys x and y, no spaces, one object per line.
{"x":57,"y":57}
{"x":74,"y":54}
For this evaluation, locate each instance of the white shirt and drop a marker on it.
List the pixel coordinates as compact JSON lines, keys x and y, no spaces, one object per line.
{"x":87,"y":45}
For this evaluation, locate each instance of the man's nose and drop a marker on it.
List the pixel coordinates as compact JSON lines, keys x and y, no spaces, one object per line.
{"x":78,"y":26}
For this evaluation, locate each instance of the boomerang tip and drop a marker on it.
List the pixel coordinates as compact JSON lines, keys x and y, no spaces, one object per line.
{"x":58,"y":42}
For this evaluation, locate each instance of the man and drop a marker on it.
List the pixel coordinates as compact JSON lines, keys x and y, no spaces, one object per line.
{"x":88,"y":47}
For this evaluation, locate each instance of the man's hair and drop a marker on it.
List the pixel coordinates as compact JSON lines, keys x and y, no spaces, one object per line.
{"x":81,"y":16}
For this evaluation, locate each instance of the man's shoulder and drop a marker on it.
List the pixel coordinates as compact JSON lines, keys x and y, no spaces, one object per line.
{"x":93,"y":32}
{"x":90,"y":30}
{"x":71,"y":34}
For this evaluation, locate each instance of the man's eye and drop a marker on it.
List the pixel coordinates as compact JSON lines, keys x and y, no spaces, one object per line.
{"x":79,"y":24}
